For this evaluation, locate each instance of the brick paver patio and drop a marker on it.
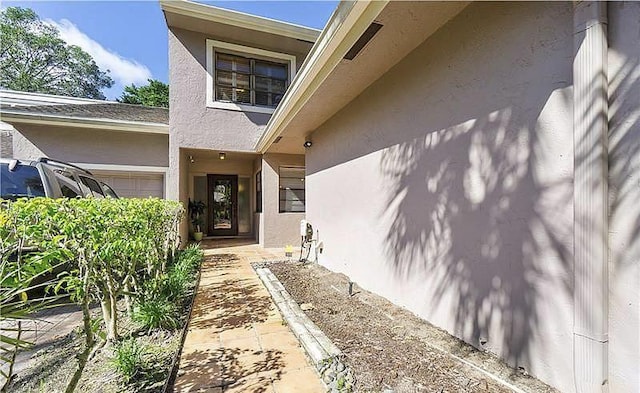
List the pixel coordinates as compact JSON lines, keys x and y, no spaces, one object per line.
{"x":236,"y":339}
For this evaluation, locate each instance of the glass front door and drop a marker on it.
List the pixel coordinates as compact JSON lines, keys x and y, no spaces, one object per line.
{"x":223,"y":205}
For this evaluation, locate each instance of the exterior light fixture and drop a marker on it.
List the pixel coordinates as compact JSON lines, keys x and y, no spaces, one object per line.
{"x":191,"y":160}
{"x":307,"y":144}
{"x":222,"y":155}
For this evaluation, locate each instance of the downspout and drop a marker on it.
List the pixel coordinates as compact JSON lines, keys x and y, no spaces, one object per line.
{"x":590,"y":129}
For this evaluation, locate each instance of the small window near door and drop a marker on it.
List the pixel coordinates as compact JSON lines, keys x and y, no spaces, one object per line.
{"x":292,"y":198}
{"x":259,"y":192}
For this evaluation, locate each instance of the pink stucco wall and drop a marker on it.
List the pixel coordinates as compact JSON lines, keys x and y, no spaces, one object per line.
{"x":446,"y":186}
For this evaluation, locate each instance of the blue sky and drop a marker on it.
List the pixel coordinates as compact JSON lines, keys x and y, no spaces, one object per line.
{"x":130,"y":37}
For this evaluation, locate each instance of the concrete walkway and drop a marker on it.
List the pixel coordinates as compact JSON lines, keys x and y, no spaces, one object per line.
{"x":236,"y":339}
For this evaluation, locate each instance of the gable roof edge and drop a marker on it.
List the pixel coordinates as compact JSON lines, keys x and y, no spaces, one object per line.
{"x":346,"y":25}
{"x":13,"y":117}
{"x":240,"y":19}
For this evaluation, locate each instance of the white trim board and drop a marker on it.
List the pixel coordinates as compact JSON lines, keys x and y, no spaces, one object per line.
{"x":84,"y":122}
{"x":226,"y":47}
{"x":344,"y":28}
{"x":239,"y":19}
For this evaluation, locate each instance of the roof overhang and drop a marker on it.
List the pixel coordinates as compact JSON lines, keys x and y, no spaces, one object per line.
{"x":327,"y":82}
{"x":15,"y":118}
{"x":208,"y":13}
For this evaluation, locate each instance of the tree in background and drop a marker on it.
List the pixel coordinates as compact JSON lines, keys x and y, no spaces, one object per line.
{"x":155,"y":93}
{"x":34,"y":58}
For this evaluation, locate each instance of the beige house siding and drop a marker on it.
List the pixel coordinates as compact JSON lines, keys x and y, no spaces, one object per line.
{"x":624,"y":191}
{"x":447,"y":185}
{"x":95,"y":146}
{"x":277,"y":229}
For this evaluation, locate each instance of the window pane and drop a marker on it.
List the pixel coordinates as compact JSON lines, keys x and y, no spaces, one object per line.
{"x":243,"y":95}
{"x":225,"y":78}
{"x":24,"y":181}
{"x":224,"y":93}
{"x":262,"y":98}
{"x":270,"y":85}
{"x":109,"y":191}
{"x":68,"y":185}
{"x":292,"y":190}
{"x":93,"y":186}
{"x":292,"y":172}
{"x":244,"y":205}
{"x":242,"y":81}
{"x":233,"y":63}
{"x":235,"y":95}
{"x":272,"y":70}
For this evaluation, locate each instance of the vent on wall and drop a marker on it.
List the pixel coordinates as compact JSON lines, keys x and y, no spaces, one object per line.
{"x":363,"y":40}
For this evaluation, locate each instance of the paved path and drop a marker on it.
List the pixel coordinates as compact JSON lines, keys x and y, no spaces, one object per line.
{"x":236,"y":339}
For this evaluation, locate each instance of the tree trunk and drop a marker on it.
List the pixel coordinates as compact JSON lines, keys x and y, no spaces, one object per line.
{"x":89,"y":340}
{"x":105,"y":305}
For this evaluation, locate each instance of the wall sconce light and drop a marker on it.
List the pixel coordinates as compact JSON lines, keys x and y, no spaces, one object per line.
{"x":222,"y":155}
{"x":191,"y":160}
{"x":307,"y":144}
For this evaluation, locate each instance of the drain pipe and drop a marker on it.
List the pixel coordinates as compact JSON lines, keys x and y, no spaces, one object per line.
{"x":590,"y":129}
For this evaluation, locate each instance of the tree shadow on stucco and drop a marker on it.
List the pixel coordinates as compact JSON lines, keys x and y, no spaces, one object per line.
{"x":473,"y":205}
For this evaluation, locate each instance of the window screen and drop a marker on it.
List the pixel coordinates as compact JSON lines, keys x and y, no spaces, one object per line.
{"x":292,"y":198}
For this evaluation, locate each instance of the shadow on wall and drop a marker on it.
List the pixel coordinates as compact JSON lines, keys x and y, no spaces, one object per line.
{"x":483,"y":207}
{"x":479,"y":181}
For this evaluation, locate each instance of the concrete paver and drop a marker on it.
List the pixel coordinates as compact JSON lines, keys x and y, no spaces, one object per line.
{"x":236,"y":339}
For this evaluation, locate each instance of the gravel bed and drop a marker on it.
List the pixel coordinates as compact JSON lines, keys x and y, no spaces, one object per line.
{"x":387,"y":347}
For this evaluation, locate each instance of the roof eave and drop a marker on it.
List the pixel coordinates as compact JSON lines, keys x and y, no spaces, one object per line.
{"x":12,"y":117}
{"x":346,"y":25}
{"x":240,"y":19}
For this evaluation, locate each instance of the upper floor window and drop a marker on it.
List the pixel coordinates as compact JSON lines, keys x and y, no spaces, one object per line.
{"x":245,"y":78}
{"x":249,"y":81}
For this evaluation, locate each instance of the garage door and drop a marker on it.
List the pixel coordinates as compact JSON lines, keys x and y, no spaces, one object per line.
{"x":134,"y":184}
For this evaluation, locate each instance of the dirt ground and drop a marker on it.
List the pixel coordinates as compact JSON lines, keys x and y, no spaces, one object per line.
{"x":388,"y":347}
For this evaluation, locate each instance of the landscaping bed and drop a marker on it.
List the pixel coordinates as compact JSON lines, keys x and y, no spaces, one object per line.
{"x":141,"y":360}
{"x":388,"y":347}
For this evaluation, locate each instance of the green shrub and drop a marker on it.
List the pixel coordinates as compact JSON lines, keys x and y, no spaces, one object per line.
{"x":128,"y":359}
{"x":158,"y":313}
{"x":190,"y":258}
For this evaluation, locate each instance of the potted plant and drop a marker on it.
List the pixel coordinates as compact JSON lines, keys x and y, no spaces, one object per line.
{"x":196,"y":210}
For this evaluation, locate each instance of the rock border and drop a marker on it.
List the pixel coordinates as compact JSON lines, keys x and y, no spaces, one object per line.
{"x":325,"y":355}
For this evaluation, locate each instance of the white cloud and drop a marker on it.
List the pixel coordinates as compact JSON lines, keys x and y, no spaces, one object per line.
{"x":123,"y":71}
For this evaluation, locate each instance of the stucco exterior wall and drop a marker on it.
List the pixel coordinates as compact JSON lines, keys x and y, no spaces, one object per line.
{"x":277,"y":229}
{"x":90,"y":145}
{"x":624,"y":190}
{"x":193,"y":123}
{"x":447,"y":185}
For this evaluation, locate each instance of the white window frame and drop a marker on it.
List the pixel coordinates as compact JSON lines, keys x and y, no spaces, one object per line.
{"x":214,"y":46}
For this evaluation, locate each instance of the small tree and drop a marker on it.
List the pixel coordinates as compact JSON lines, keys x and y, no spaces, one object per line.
{"x":156,"y":93}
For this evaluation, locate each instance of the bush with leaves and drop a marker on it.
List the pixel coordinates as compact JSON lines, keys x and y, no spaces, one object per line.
{"x":109,"y":247}
{"x":159,"y":313}
{"x":128,"y":359}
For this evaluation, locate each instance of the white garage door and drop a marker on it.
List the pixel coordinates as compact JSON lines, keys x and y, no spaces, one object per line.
{"x":133,"y":184}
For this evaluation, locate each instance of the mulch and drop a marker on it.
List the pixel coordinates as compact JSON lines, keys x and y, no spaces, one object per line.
{"x":388,"y":347}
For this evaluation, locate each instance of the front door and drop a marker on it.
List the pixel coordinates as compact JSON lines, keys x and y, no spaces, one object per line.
{"x":223,"y":205}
